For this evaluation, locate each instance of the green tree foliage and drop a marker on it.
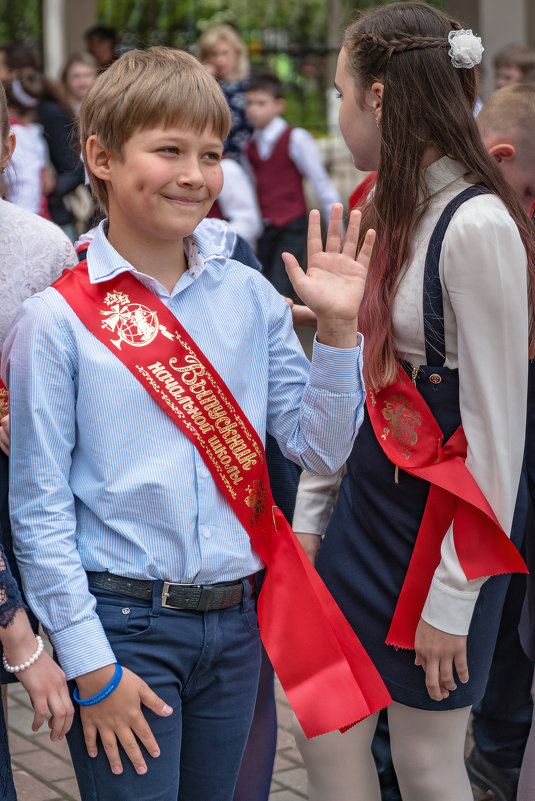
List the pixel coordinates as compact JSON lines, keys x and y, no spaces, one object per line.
{"x":20,"y":21}
{"x":287,"y":36}
{"x":275,"y":23}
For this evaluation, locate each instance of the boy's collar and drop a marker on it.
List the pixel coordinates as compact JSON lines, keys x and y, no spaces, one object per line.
{"x":211,"y":239}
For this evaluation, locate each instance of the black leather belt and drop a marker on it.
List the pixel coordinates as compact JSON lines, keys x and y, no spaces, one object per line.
{"x":195,"y":597}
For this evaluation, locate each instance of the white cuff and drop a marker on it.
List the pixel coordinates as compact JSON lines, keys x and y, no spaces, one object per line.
{"x":448,"y":609}
{"x":312,"y":513}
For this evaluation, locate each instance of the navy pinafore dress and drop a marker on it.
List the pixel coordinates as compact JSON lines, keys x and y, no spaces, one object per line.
{"x":368,"y":544}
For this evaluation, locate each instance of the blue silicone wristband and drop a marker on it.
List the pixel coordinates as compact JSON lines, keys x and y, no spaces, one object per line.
{"x":107,"y":690}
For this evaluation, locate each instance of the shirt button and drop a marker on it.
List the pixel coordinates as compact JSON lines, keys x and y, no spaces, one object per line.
{"x":203,"y":472}
{"x":206,"y":533}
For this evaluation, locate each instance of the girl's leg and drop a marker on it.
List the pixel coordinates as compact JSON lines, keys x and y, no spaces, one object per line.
{"x":526,"y":783}
{"x":341,"y":766}
{"x":428,"y":753}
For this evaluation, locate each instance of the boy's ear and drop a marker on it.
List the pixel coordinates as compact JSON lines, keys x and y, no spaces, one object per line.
{"x":281,"y":105}
{"x":502,"y":152}
{"x":98,"y":159}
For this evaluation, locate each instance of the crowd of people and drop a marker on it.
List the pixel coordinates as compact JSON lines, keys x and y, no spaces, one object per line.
{"x":161,"y":426}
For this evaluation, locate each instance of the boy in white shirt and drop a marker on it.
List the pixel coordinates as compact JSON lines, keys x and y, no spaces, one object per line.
{"x":280,"y":158}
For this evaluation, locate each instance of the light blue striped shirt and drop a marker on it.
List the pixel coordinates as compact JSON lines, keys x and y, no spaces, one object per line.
{"x":102,"y":479}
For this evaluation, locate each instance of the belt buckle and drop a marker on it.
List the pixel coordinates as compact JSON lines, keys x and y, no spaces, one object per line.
{"x":165,"y":593}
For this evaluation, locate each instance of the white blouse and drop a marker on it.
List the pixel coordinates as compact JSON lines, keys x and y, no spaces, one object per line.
{"x":483,"y":269}
{"x":33,"y":253}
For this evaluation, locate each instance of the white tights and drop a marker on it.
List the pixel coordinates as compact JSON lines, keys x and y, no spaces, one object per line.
{"x":427,"y":751}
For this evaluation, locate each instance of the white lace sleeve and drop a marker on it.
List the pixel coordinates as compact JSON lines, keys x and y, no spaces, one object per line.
{"x":33,"y":253}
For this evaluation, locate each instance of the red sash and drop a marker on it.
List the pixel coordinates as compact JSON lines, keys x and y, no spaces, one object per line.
{"x":328,"y":677}
{"x":411,"y":438}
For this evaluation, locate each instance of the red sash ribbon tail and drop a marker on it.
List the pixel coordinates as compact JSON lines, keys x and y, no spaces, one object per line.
{"x":411,"y":438}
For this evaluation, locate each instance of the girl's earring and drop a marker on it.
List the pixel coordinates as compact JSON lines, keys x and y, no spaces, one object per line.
{"x":377,"y":122}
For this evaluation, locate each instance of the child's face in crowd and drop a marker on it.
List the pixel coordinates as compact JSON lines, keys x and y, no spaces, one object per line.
{"x":359,"y":126}
{"x":164,"y":182}
{"x":505,"y":76}
{"x":262,"y":107}
{"x":224,"y":60}
{"x":80,"y":79}
{"x":101,"y":50}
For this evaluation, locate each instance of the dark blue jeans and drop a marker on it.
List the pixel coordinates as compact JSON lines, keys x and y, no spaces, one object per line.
{"x":204,"y":665}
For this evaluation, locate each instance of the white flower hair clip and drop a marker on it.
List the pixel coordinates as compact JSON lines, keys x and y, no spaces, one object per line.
{"x":465,"y":49}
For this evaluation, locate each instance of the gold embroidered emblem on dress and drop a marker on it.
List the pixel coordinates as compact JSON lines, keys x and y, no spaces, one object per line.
{"x":402,"y":420}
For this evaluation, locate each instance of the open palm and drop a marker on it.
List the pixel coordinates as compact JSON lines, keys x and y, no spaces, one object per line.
{"x":333,"y":285}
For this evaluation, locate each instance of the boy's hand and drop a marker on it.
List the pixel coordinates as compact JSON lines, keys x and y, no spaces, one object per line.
{"x":119,"y":717}
{"x":333,"y":285}
{"x":437,"y":652}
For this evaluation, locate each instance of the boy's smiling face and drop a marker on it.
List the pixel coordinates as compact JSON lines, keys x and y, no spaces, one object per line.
{"x":164,"y":182}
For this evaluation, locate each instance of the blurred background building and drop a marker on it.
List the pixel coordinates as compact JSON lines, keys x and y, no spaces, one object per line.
{"x":297,"y":38}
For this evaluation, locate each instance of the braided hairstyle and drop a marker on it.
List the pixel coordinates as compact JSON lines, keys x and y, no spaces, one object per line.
{"x":426,"y":103}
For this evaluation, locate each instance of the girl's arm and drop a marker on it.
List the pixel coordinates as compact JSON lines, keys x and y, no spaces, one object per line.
{"x":44,"y":680}
{"x":486,"y":281}
{"x":314,"y":504}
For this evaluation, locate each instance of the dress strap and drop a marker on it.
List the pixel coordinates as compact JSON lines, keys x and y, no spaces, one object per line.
{"x":435,"y":342}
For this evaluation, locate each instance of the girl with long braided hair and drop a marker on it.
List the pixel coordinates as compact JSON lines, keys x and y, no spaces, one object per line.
{"x":424,"y":514}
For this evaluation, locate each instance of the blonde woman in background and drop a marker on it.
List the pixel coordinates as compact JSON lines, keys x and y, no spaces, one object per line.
{"x":226,"y":57}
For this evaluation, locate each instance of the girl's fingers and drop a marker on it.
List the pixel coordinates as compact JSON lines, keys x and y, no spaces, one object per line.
{"x":365,"y":252}
{"x":314,"y":242}
{"x":293,"y":269}
{"x":334,"y":231}
{"x":461,"y":666}
{"x":352,"y":235}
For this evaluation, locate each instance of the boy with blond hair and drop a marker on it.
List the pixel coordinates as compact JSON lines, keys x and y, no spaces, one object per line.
{"x":506,"y":124}
{"x":137,"y":483}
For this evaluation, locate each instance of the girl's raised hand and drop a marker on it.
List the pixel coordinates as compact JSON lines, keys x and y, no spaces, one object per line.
{"x":333,"y":285}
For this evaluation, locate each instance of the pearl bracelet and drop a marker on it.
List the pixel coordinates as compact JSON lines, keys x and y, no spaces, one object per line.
{"x":30,"y":661}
